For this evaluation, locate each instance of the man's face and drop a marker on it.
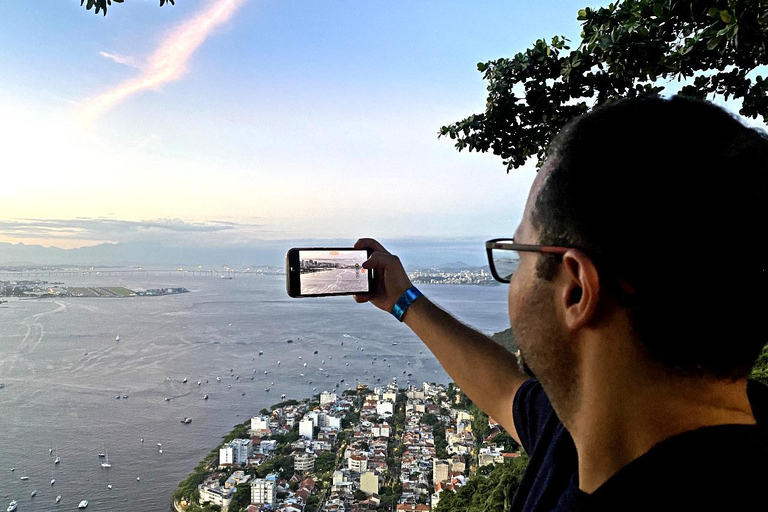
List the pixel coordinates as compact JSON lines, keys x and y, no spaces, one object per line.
{"x":534,"y":317}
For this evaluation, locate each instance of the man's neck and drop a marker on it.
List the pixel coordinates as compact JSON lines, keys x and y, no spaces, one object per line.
{"x":624,"y":412}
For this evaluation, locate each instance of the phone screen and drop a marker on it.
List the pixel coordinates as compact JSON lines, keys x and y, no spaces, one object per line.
{"x":332,"y":271}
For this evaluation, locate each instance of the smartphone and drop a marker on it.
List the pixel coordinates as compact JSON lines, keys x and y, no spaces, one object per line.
{"x":324,"y":271}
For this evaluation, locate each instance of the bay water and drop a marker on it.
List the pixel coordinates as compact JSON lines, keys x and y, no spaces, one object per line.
{"x":63,"y":370}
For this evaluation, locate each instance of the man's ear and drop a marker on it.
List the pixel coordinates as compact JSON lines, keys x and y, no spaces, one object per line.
{"x":579,"y":289}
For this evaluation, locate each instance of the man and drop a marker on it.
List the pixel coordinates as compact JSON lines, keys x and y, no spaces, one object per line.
{"x":637,"y":296}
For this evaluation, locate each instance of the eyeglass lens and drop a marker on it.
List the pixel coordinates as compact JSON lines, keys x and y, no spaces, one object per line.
{"x":505,"y":262}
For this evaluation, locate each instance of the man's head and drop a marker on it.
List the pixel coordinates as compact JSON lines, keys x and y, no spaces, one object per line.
{"x":665,"y":200}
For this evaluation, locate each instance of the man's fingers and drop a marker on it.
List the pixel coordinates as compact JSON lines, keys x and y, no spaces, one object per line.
{"x":370,"y":243}
{"x":379,"y":260}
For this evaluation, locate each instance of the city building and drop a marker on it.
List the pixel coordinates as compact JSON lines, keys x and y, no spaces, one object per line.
{"x":259,"y":423}
{"x":236,"y":451}
{"x":264,"y":491}
{"x":440,"y":470}
{"x":369,"y":483}
{"x":306,"y":428}
{"x":212,"y":492}
{"x":327,"y":398}
{"x":304,"y":462}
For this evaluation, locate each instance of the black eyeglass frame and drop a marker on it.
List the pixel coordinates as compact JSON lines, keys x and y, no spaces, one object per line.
{"x":510,"y":245}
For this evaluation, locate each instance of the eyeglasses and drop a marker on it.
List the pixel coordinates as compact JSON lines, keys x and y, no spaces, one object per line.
{"x":504,"y":255}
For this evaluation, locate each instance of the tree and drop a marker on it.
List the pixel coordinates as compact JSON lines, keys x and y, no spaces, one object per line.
{"x":760,"y":370}
{"x":101,"y":5}
{"x":630,"y":48}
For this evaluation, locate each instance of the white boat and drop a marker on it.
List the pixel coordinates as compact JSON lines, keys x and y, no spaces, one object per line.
{"x":109,"y":486}
{"x":159,"y":445}
{"x":2,"y":385}
{"x":83,"y":504}
{"x":106,"y":463}
{"x":56,"y":460}
{"x":53,"y":481}
{"x":218,"y":378}
{"x":167,"y":399}
{"x":138,"y":478}
{"x":58,"y":498}
{"x":117,"y":338}
{"x":205,"y":397}
{"x":25,"y":477}
{"x":12,"y":506}
{"x":33,"y":493}
{"x":187,"y":421}
{"x":184,"y":381}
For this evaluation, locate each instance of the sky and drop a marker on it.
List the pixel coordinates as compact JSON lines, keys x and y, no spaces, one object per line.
{"x":217,"y":122}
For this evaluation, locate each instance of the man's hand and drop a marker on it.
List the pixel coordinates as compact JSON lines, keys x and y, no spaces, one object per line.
{"x":390,"y":276}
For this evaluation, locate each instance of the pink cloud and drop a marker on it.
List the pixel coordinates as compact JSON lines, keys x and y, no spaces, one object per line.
{"x":169,"y":62}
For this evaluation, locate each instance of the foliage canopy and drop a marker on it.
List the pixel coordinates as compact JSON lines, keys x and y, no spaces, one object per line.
{"x":101,"y":5}
{"x":629,"y":48}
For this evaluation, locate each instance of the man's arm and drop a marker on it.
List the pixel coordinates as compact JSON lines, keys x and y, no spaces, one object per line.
{"x":483,"y":369}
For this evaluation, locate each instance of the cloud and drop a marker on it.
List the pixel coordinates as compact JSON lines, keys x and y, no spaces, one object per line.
{"x":117,"y":230}
{"x":169,"y":62}
{"x":128,"y":61}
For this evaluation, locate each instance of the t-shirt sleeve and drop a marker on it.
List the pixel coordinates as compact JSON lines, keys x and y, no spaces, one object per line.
{"x":531,"y":411}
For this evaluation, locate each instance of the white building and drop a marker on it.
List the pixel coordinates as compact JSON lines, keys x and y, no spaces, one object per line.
{"x":385,"y":408}
{"x":331,"y":422}
{"x":267,"y":446}
{"x":306,"y":428}
{"x":304,"y":462}
{"x":226,"y":455}
{"x":390,"y":396}
{"x":260,"y":423}
{"x":380,"y":430}
{"x":327,"y":398}
{"x":212,"y":492}
{"x":358,"y":463}
{"x":236,"y":451}
{"x":264,"y":491}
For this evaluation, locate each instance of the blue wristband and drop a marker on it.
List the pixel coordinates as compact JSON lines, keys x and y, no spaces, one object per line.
{"x":404,"y":302}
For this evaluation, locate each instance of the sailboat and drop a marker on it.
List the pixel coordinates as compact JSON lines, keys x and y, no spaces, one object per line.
{"x":106,"y":463}
{"x":25,"y":477}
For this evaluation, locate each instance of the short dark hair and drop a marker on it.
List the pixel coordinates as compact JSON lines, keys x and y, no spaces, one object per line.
{"x":669,"y":195}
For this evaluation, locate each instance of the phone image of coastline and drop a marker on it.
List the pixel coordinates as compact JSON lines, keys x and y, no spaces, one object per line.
{"x":332,"y":272}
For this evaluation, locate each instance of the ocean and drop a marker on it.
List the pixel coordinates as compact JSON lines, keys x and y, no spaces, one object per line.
{"x":63,"y":368}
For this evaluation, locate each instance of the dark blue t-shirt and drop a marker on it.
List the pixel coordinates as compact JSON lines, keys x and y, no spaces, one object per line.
{"x":719,"y":468}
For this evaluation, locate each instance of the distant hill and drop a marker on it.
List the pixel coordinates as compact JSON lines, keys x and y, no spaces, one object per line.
{"x":413,"y":252}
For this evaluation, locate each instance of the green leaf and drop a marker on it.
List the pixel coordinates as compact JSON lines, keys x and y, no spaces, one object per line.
{"x":725,"y":16}
{"x":713,"y":43}
{"x":582,"y":15}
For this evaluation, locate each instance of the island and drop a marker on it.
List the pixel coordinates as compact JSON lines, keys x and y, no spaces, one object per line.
{"x":43,"y":289}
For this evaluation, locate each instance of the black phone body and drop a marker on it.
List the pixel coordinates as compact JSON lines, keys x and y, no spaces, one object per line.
{"x":326,"y":271}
